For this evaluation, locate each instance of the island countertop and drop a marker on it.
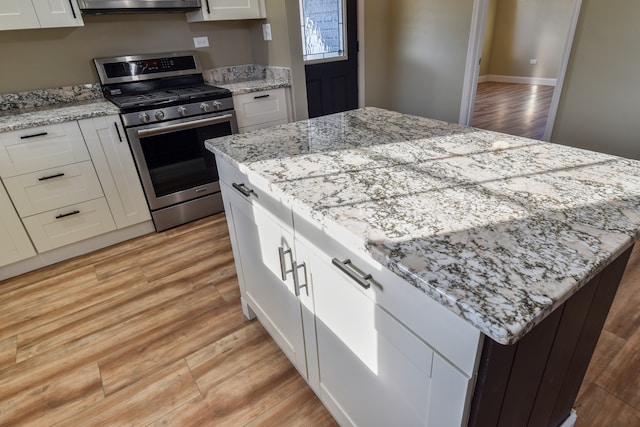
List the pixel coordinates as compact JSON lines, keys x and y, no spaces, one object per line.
{"x":499,"y":229}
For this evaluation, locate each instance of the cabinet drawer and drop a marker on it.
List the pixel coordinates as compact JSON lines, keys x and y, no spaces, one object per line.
{"x":40,"y":148}
{"x":458,"y":342}
{"x":383,"y":361}
{"x":59,"y":227}
{"x":49,"y":189}
{"x":261,"y":107}
{"x":256,"y":190}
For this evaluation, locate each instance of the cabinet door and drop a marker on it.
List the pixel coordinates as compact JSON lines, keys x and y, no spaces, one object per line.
{"x":261,"y":239}
{"x":111,"y":155}
{"x":219,"y":10}
{"x":17,"y":14}
{"x":58,"y":13}
{"x":373,"y":371}
{"x":15,"y":244}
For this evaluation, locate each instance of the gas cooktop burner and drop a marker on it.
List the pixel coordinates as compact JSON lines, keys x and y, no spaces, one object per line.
{"x":164,"y":97}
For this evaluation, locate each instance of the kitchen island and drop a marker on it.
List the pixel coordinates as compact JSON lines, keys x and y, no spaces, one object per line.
{"x":485,"y":261}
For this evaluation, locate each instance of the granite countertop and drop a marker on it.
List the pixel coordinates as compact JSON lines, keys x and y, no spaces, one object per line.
{"x":43,"y":107}
{"x":248,"y":78}
{"x":499,"y":229}
{"x":50,"y":114}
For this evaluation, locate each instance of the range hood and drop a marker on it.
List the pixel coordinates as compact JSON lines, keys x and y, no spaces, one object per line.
{"x":137,"y":6}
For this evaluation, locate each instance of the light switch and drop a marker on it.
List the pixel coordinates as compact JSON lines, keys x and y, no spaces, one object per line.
{"x":201,"y":41}
{"x":266,"y":31}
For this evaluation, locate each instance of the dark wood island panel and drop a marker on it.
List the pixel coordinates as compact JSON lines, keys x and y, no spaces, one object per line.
{"x":535,"y":381}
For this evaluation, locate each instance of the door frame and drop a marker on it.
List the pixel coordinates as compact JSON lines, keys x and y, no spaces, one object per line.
{"x":474,"y":53}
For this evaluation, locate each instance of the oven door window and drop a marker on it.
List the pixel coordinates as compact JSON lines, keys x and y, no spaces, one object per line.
{"x":179,"y":160}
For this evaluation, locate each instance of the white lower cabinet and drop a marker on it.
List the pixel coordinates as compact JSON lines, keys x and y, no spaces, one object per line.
{"x":367,"y":367}
{"x":114,"y":164}
{"x":264,"y":244}
{"x":257,"y":110}
{"x":65,"y":185}
{"x":15,"y":244}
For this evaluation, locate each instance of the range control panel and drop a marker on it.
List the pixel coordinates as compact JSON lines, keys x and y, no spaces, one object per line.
{"x":142,"y":67}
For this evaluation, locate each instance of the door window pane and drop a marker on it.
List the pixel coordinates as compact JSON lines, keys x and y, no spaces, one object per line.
{"x":323,"y":32}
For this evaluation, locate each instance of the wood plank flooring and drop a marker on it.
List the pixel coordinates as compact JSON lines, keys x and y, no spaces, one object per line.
{"x":147,"y":332}
{"x":516,"y":109}
{"x":150,"y":332}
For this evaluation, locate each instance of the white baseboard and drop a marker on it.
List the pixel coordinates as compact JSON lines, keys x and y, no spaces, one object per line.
{"x":571,"y":420}
{"x":515,"y":79}
{"x":79,"y":248}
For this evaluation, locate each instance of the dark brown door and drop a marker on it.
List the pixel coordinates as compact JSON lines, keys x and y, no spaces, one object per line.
{"x":332,"y":82}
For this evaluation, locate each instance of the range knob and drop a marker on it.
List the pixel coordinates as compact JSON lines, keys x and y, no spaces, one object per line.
{"x":217,"y":104}
{"x":182,"y":111}
{"x":159,"y":114}
{"x":205,"y":107}
{"x":144,"y":117}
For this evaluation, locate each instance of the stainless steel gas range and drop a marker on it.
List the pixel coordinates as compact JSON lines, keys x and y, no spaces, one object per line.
{"x":168,"y":112}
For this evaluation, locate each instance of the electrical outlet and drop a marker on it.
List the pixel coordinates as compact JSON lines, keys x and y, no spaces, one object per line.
{"x":266,"y":31}
{"x":533,"y":61}
{"x":201,"y":41}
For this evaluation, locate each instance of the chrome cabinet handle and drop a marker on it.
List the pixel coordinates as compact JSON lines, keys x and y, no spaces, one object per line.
{"x":296,"y":282}
{"x":242,"y":188}
{"x":283,"y":268}
{"x":359,"y":279}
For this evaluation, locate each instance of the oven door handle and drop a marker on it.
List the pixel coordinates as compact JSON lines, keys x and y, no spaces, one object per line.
{"x":143,"y":133}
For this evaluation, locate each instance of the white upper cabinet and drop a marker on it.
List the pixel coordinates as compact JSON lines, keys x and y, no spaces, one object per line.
{"x":26,"y":14}
{"x":223,"y":10}
{"x":18,"y":14}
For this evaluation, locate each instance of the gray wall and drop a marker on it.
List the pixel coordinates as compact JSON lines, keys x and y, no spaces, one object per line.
{"x":427,"y":56}
{"x":525,"y":30}
{"x":285,"y":50}
{"x":48,"y":58}
{"x":600,"y":103}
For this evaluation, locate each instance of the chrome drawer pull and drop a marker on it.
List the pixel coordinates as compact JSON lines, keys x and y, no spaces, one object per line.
{"x":296,"y":282}
{"x":67,"y":214}
{"x":360,"y":280}
{"x":243,"y":189}
{"x":283,"y":268}
{"x":44,"y":178}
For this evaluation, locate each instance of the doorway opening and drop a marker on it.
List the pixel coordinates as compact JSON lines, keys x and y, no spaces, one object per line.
{"x":518,"y":54}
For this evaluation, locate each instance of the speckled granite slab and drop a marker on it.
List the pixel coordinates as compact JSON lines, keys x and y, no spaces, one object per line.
{"x":48,"y":97}
{"x":501,"y":230}
{"x":28,"y":118}
{"x":248,"y":78}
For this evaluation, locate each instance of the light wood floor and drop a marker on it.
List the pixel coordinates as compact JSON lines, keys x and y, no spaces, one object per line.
{"x":516,"y":109}
{"x":150,"y":332}
{"x":147,"y":332}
